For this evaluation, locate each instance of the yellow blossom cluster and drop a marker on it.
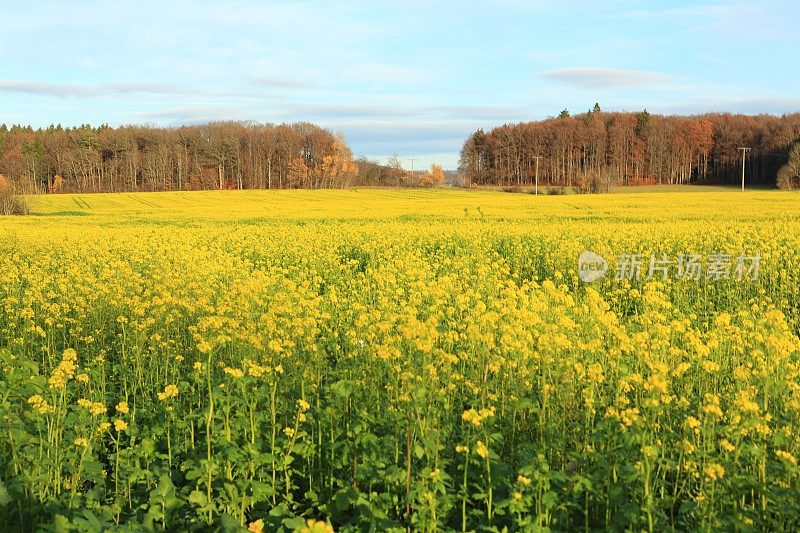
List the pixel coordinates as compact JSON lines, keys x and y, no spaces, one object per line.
{"x":95,"y":408}
{"x":235,"y":373}
{"x":170,"y":391}
{"x":65,"y":370}
{"x":40,"y":405}
{"x":476,"y":417}
{"x":714,"y":472}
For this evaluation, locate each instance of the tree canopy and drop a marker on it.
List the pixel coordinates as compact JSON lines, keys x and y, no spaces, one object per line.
{"x":631,"y":148}
{"x":207,"y":156}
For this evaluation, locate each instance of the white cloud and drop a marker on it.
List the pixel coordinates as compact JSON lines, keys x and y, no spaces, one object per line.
{"x":279,"y":83}
{"x":598,"y":77}
{"x":418,"y":137}
{"x":777,"y":105}
{"x":71,"y":90}
{"x":195,"y":114}
{"x":400,"y":110}
{"x":44,"y":89}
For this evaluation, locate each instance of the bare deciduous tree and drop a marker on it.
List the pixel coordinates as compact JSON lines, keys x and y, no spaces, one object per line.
{"x":630,"y":148}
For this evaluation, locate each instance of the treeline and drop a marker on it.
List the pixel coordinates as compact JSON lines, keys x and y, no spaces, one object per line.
{"x":631,"y":148}
{"x":220,"y":155}
{"x":392,"y":174}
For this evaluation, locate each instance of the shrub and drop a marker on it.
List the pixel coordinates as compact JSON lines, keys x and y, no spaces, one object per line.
{"x":556,"y":191}
{"x":9,"y":203}
{"x":56,"y":184}
{"x":789,"y":175}
{"x":593,"y":182}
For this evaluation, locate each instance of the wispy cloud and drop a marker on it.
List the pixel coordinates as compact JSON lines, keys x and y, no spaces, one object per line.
{"x":418,"y":137}
{"x":279,"y":83}
{"x":70,"y":90}
{"x":485,"y":112}
{"x":44,"y":89}
{"x":399,"y":110}
{"x":194,"y":114}
{"x":146,"y":88}
{"x":767,"y":105}
{"x":598,"y":77}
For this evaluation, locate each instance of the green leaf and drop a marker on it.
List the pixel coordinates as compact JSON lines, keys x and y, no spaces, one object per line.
{"x":343,"y":388}
{"x":164,"y":494}
{"x":549,"y":499}
{"x":198,"y":498}
{"x":229,"y":524}
{"x":5,"y":497}
{"x":581,"y":484}
{"x":419,"y":451}
{"x":526,"y":404}
{"x":344,"y":499}
{"x":293,"y":524}
{"x":61,"y":524}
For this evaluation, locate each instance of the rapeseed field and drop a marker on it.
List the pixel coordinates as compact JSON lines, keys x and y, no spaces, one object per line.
{"x":390,"y":360}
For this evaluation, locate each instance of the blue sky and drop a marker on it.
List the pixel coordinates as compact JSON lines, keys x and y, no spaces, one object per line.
{"x":407,"y":77}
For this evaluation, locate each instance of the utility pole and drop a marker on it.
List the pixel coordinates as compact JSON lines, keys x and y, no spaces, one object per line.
{"x":537,"y":158}
{"x":412,"y":170}
{"x":744,"y":152}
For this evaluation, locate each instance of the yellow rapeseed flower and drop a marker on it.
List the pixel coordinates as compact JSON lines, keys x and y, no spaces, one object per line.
{"x":786,"y":456}
{"x":711,"y":406}
{"x":39,"y":404}
{"x":482,"y":450}
{"x":236,"y":373}
{"x":65,"y":370}
{"x":477,"y":416}
{"x":595,"y":372}
{"x":714,"y":472}
{"x":170,"y":391}
{"x":96,"y":408}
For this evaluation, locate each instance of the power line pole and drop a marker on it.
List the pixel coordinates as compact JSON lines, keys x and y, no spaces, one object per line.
{"x":537,"y":158}
{"x":412,"y":170}
{"x":744,"y":152}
